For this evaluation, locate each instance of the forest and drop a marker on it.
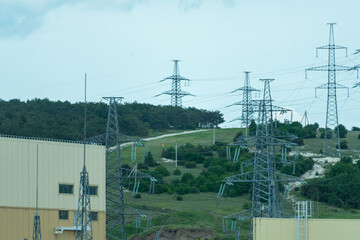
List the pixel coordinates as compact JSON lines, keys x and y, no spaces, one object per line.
{"x":64,"y":120}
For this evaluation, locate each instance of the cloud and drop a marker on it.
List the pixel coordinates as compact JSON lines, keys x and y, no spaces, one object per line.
{"x":187,"y":5}
{"x":19,"y":18}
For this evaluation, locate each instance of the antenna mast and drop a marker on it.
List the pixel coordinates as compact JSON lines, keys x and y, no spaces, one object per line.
{"x":83,"y":221}
{"x":36,"y":225}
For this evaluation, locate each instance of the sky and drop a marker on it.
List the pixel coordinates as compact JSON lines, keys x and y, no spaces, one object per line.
{"x":126,"y":46}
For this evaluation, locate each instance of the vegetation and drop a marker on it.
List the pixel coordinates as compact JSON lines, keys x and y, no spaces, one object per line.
{"x":64,"y":120}
{"x":339,"y":187}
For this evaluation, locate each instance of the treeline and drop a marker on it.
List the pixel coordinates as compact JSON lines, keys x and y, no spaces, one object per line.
{"x":65,"y":120}
{"x":339,"y":187}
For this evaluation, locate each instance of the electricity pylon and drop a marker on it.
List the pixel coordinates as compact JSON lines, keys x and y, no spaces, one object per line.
{"x":36,"y":224}
{"x":305,"y":119}
{"x":247,"y":108}
{"x":115,"y":174}
{"x":176,"y":93}
{"x":83,"y":223}
{"x":265,"y":178}
{"x":332,"y":120}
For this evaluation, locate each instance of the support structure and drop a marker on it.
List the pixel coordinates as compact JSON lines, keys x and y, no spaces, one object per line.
{"x":305,"y":119}
{"x":332,"y":120}
{"x":115,"y":174}
{"x":176,"y":93}
{"x":36,"y":224}
{"x":265,"y":178}
{"x":83,"y":222}
{"x":247,"y":106}
{"x":302,"y":213}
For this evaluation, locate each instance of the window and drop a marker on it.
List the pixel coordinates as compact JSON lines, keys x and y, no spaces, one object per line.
{"x":94,"y":216}
{"x":93,"y":190}
{"x":63,"y":214}
{"x":66,"y":188}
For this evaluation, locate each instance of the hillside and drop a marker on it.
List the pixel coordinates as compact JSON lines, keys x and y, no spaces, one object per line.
{"x":204,"y":210}
{"x":64,"y":120}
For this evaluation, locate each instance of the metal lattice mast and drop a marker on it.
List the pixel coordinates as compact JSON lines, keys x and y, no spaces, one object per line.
{"x":247,"y":109}
{"x":176,"y":93}
{"x":305,"y":119}
{"x":36,"y":224}
{"x":266,"y":198}
{"x":332,"y":120}
{"x":83,"y":221}
{"x":115,"y":209}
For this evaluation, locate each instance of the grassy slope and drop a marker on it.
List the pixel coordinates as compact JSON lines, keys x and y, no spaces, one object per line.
{"x":204,"y":210}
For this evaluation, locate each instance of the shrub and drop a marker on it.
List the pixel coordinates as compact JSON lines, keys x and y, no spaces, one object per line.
{"x":149,"y":160}
{"x":187,"y":178}
{"x":359,"y":136}
{"x":203,"y":188}
{"x":142,"y":166}
{"x":246,"y":205}
{"x":355,"y":129}
{"x":343,"y":144}
{"x":138,"y":195}
{"x":177,"y":172}
{"x":161,"y":170}
{"x":179,"y":198}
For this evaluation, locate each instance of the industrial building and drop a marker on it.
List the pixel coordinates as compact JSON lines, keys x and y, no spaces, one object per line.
{"x":59,"y":166}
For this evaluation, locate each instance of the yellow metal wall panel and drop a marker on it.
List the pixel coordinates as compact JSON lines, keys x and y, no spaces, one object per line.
{"x":286,"y":229}
{"x":17,"y":224}
{"x":59,"y":162}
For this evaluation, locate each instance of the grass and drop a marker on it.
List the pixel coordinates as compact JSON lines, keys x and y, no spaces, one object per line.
{"x":204,"y":210}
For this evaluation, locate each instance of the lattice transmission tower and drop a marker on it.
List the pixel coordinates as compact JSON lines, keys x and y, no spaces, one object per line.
{"x":332,"y":119}
{"x":36,"y":223}
{"x":247,"y":109}
{"x":115,"y":175}
{"x":264,"y":176}
{"x":83,"y":222}
{"x":176,"y":93}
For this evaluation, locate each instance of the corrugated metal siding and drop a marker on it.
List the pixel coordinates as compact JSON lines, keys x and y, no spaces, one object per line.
{"x":58,"y":163}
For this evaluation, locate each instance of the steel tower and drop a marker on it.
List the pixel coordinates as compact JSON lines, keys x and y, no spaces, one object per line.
{"x":36,"y":224}
{"x":83,"y":222}
{"x":247,"y":108}
{"x":332,"y":120}
{"x":176,"y":93}
{"x":265,"y":178}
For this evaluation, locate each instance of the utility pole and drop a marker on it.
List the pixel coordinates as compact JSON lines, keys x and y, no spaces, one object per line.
{"x":176,"y":93}
{"x":213,"y":134}
{"x":247,"y":107}
{"x":176,"y":154}
{"x":36,"y":224}
{"x":83,"y":221}
{"x":332,"y":120}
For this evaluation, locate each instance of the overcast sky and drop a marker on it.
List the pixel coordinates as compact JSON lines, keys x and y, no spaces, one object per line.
{"x":126,"y":47}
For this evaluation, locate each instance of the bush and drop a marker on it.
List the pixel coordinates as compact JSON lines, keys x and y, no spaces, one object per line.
{"x":179,"y":198}
{"x":190,"y":164}
{"x":161,"y":170}
{"x":203,"y":188}
{"x":149,"y":160}
{"x":355,"y":129}
{"x":138,"y":195}
{"x":359,"y":136}
{"x":177,"y":172}
{"x":188,"y":178}
{"x":342,"y":130}
{"x":142,"y":166}
{"x":247,"y":205}
{"x":343,"y":144}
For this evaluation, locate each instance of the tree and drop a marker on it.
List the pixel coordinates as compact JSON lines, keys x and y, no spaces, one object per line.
{"x":149,"y":160}
{"x":342,"y":130}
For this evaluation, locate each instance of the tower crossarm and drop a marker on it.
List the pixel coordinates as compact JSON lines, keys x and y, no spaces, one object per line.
{"x":249,"y":177}
{"x":131,"y":174}
{"x":249,"y":89}
{"x":332,"y":85}
{"x":175,"y":77}
{"x":326,"y":68}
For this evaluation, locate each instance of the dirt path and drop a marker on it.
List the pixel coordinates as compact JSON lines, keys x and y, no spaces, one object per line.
{"x":167,"y":135}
